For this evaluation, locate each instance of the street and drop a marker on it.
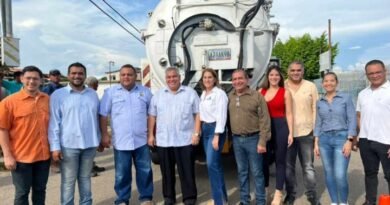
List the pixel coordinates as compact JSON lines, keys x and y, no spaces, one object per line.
{"x":103,"y":191}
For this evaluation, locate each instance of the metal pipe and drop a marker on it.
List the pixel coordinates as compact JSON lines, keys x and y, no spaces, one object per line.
{"x":6,"y":17}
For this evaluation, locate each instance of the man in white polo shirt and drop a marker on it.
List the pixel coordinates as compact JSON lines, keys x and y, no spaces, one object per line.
{"x":373,"y":111}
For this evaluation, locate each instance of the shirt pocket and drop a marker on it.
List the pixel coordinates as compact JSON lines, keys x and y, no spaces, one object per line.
{"x":24,"y":114}
{"x":141,"y":105}
{"x":118,"y":104}
{"x":186,"y":115}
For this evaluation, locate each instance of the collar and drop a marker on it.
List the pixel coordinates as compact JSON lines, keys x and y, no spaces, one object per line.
{"x":181,"y":88}
{"x":70,"y":89}
{"x":248,"y":91}
{"x":120,"y":87}
{"x":22,"y":94}
{"x":323,"y":96}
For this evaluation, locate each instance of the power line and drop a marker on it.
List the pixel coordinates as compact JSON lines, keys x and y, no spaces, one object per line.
{"x":117,"y":22}
{"x":121,"y":16}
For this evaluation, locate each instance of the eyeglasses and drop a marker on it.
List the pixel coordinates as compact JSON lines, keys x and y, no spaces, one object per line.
{"x":237,"y":101}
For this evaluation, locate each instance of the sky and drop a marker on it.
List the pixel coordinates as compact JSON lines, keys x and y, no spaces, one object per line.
{"x":56,"y":33}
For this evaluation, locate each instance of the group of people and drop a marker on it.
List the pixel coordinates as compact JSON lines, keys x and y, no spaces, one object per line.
{"x":283,"y":120}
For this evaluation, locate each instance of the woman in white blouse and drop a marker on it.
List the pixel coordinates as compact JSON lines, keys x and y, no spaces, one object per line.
{"x":213,"y":114}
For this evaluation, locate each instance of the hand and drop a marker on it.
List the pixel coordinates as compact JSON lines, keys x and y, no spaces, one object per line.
{"x":317,"y":151}
{"x":151,"y":141}
{"x":290,"y":140}
{"x":195,"y":139}
{"x":106,"y":141}
{"x":9,"y":162}
{"x":261,"y":149}
{"x":355,"y":144}
{"x":388,"y":153}
{"x":215,"y":142}
{"x":100,"y":148}
{"x":56,"y":155}
{"x":347,"y":148}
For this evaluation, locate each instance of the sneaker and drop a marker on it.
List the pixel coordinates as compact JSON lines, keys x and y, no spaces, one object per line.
{"x":289,"y":200}
{"x":98,"y":169}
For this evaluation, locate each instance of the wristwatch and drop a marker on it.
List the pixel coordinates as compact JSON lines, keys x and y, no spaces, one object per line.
{"x":350,"y":139}
{"x":195,"y":134}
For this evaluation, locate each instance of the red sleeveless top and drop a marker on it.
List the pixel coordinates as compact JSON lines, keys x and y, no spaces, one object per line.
{"x":276,"y":106}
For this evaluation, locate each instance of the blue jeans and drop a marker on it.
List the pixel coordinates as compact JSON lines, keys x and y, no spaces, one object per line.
{"x":214,"y":167}
{"x":335,"y":164}
{"x":30,"y":176}
{"x":123,"y":174}
{"x":247,"y":158}
{"x":76,"y":165}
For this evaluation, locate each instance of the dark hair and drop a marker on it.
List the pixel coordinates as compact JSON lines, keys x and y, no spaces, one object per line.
{"x":77,"y":64}
{"x":129,"y":66}
{"x":374,"y":62}
{"x":243,"y":71}
{"x":32,"y":68}
{"x":213,"y":73}
{"x":330,"y":73}
{"x":18,"y":73}
{"x":265,"y":84}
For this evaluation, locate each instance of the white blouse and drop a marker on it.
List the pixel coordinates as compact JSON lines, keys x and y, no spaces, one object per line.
{"x":213,"y":108}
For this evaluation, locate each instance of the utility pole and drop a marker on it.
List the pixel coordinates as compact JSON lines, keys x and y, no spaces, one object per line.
{"x":110,"y":64}
{"x":330,"y":43}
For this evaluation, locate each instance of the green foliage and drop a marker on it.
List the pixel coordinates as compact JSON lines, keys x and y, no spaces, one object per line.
{"x":305,"y":49}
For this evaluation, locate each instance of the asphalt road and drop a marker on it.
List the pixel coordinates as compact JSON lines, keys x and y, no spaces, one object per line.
{"x":103,"y":192}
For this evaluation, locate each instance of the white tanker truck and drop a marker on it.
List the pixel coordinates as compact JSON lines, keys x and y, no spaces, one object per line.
{"x":196,"y":34}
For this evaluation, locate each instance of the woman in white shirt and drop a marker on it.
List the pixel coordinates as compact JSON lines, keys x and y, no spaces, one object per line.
{"x":213,"y":114}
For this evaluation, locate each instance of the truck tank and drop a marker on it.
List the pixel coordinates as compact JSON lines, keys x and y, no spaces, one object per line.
{"x":220,"y":34}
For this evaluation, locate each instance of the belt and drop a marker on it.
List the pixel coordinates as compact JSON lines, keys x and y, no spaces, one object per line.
{"x":247,"y":135}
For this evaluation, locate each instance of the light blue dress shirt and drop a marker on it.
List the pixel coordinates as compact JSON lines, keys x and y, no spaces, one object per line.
{"x":129,"y":114}
{"x":174,"y":114}
{"x":74,"y":119}
{"x":335,"y":116}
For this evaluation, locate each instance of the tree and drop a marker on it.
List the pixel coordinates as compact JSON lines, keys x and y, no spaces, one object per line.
{"x":305,"y":49}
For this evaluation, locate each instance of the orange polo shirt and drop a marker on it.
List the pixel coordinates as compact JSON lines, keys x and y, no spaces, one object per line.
{"x":27,"y":119}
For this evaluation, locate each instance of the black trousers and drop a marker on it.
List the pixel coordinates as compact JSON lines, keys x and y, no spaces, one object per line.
{"x":373,"y":153}
{"x":30,"y":176}
{"x":183,"y":157}
{"x":277,"y":152}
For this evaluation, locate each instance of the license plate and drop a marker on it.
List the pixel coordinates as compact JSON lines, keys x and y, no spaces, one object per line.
{"x":219,"y":54}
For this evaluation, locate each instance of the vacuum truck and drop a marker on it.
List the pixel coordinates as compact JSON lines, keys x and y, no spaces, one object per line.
{"x":196,"y":34}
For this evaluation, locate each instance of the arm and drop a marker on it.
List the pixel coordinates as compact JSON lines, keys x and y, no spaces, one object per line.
{"x":265,"y":125}
{"x":104,"y":111}
{"x":9,"y":160}
{"x":289,"y":116}
{"x":222,"y":101}
{"x":314,"y":103}
{"x":317,"y":131}
{"x":54,"y":129}
{"x":196,"y":137}
{"x":151,"y":125}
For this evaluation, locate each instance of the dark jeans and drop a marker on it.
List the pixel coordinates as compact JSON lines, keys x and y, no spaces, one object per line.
{"x":303,"y":148}
{"x":373,"y":153}
{"x":277,"y":150}
{"x":184,"y":158}
{"x":30,"y":176}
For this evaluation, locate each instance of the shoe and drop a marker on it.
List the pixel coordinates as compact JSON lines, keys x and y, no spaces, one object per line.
{"x":94,"y":174}
{"x":368,"y":203}
{"x":289,"y":200}
{"x":98,"y":169}
{"x":313,"y":201}
{"x":277,"y":198}
{"x":147,"y":203}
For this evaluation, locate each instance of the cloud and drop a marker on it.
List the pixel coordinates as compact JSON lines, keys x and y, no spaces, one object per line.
{"x":28,"y":23}
{"x":355,"y":48}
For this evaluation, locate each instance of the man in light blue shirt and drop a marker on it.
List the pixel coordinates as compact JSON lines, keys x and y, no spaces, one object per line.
{"x":127,"y":105}
{"x":175,"y":112}
{"x":74,"y":134}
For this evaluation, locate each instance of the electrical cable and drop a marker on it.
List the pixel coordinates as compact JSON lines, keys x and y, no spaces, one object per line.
{"x":141,"y":41}
{"x":135,"y":28}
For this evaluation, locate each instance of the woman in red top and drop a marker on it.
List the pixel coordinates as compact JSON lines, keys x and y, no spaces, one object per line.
{"x":279,"y":103}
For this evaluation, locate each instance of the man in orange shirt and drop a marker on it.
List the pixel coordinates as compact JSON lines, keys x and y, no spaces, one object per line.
{"x":24,"y":120}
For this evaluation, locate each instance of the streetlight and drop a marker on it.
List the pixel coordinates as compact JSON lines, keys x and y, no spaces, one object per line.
{"x":110,"y":64}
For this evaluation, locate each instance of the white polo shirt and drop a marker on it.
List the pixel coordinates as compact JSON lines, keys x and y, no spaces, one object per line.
{"x":374,"y":108}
